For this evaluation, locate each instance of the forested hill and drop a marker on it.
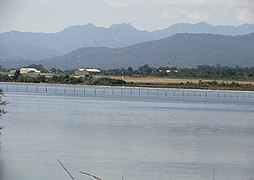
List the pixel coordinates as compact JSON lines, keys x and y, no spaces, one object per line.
{"x":20,"y":46}
{"x":182,"y":50}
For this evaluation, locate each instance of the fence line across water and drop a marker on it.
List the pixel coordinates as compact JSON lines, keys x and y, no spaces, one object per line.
{"x":122,"y":91}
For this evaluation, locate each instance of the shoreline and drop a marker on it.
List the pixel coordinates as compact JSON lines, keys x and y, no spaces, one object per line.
{"x":135,"y":86}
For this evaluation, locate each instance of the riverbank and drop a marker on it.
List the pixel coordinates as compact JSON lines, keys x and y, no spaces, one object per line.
{"x":172,"y":86}
{"x":133,"y":81}
{"x":167,"y":80}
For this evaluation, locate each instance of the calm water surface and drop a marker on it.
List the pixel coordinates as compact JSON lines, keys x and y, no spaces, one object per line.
{"x":139,"y":138}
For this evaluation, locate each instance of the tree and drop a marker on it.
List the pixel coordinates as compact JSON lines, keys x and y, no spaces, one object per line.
{"x":145,"y":70}
{"x":2,"y":104}
{"x":16,"y":74}
{"x":130,"y":69}
{"x":38,"y":67}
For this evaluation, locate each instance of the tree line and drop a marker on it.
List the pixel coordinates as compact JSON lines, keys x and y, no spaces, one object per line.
{"x":201,"y":71}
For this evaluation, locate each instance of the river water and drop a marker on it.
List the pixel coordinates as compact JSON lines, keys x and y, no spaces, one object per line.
{"x":127,"y":137}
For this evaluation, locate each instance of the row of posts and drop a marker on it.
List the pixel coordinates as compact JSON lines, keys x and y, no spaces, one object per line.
{"x":139,"y":92}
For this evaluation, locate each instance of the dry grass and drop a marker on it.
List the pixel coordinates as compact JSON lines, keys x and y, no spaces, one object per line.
{"x":160,"y":80}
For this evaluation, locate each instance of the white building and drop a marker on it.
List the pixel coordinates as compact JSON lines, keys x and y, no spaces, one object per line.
{"x":83,"y":72}
{"x":29,"y":70}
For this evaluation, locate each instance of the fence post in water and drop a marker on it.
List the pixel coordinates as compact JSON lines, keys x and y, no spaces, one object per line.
{"x":74,"y":90}
{"x":95,"y":91}
{"x":206,"y":94}
{"x":174,"y":93}
{"x":103,"y":91}
{"x":183,"y":93}
{"x":46,"y":89}
{"x":148,"y":92}
{"x":166,"y":93}
{"x":237,"y":95}
{"x":26,"y":88}
{"x":121,"y":91}
{"x":64,"y":90}
{"x":194,"y":94}
{"x":139,"y":91}
{"x":36,"y":89}
{"x":157,"y":92}
{"x":218,"y":95}
{"x":17,"y":88}
{"x":55,"y":89}
{"x":131,"y":91}
{"x":7,"y":88}
{"x":213,"y":174}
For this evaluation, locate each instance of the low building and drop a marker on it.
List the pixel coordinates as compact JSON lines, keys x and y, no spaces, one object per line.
{"x":29,"y":70}
{"x":171,"y":71}
{"x":93,"y":71}
{"x":84,"y":72}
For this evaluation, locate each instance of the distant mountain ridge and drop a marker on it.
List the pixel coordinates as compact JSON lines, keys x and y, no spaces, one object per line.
{"x":182,"y":50}
{"x":17,"y":46}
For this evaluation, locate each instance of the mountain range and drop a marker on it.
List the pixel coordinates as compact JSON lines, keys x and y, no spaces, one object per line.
{"x":29,"y":46}
{"x":122,"y":45}
{"x":182,"y":50}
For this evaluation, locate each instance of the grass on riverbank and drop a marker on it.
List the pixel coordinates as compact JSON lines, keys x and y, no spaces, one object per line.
{"x":151,"y":82}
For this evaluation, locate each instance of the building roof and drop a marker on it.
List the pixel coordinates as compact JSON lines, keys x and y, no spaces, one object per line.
{"x":30,"y":69}
{"x":90,"y":70}
{"x":93,"y":70}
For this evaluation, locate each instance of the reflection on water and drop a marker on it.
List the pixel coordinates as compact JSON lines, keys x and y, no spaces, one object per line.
{"x":142,"y":139}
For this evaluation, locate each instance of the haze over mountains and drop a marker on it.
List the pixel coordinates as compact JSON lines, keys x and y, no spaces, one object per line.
{"x":20,"y":48}
{"x":182,"y":50}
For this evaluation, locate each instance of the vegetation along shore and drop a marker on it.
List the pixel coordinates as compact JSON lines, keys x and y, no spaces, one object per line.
{"x":203,"y":77}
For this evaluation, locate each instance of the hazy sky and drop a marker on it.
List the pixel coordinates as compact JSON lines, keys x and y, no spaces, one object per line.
{"x":55,"y":15}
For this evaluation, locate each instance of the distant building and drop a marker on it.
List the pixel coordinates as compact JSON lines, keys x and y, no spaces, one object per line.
{"x":84,"y":72}
{"x":29,"y":70}
{"x":171,"y":71}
